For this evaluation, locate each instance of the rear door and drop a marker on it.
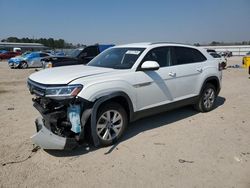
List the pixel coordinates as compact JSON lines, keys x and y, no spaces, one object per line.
{"x":186,"y":69}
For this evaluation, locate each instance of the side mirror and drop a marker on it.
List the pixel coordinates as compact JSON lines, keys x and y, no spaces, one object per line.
{"x":150,"y":65}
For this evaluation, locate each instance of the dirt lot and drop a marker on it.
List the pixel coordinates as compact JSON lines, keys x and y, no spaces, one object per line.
{"x":181,"y":148}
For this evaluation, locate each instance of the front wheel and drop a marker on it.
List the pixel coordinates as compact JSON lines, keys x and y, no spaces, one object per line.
{"x":111,"y":123}
{"x":24,"y":65}
{"x":207,"y":99}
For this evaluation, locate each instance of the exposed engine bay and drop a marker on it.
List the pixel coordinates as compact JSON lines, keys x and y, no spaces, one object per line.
{"x":61,"y":118}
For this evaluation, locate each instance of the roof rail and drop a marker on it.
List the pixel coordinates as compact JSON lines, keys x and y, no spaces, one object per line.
{"x":169,"y":43}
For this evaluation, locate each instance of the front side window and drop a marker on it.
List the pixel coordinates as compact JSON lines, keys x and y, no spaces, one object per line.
{"x":185,"y":55}
{"x":117,"y":58}
{"x":161,"y":55}
{"x":32,"y":55}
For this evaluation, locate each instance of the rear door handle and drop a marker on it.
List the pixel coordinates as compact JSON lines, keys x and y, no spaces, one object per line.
{"x":199,"y":69}
{"x":173,"y":74}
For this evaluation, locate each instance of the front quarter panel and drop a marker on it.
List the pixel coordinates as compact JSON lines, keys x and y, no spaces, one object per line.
{"x":103,"y":87}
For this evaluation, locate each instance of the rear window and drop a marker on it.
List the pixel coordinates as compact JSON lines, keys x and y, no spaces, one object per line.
{"x":215,"y":55}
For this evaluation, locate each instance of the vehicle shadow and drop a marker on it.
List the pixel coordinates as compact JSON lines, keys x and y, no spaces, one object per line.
{"x":139,"y":126}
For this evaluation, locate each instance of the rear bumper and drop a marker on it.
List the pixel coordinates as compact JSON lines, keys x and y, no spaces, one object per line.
{"x":48,"y":140}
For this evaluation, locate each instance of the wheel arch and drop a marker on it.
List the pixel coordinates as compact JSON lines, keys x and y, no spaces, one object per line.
{"x":120,"y":97}
{"x":214,"y":80}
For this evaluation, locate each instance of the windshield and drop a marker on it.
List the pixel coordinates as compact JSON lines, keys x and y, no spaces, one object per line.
{"x":74,"y":53}
{"x":25,"y":54}
{"x":32,"y":55}
{"x":117,"y":58}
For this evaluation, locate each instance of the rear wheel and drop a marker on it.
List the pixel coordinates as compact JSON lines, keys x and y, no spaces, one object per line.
{"x":111,"y":123}
{"x":207,"y":99}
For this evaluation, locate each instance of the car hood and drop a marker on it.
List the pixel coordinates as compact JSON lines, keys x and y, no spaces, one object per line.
{"x":16,"y":59}
{"x":66,"y":74}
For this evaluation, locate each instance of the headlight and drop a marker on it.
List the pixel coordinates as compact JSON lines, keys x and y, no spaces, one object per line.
{"x":63,"y":91}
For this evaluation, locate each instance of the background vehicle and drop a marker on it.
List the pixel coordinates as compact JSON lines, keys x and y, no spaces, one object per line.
{"x":79,"y":56}
{"x":122,"y":84}
{"x":246,"y":61}
{"x":17,"y":50}
{"x":7,"y":55}
{"x":2,"y":51}
{"x":222,"y":60}
{"x":226,"y":54}
{"x":32,"y":59}
{"x":211,"y":51}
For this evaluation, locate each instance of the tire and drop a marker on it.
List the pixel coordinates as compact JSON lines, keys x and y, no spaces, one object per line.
{"x":111,"y":123}
{"x":24,"y":65}
{"x":207,"y":99}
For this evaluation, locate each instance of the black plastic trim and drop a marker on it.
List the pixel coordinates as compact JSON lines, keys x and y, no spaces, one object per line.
{"x":164,"y":108}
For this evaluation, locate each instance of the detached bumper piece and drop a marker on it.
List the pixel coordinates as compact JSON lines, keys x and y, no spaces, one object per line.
{"x":48,"y":140}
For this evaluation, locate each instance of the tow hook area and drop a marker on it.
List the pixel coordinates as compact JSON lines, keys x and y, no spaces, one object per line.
{"x":48,"y":140}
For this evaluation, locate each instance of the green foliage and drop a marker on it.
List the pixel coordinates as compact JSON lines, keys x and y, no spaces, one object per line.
{"x":215,"y":43}
{"x":50,"y":42}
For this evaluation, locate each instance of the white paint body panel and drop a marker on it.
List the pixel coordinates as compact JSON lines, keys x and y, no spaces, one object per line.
{"x":165,"y":85}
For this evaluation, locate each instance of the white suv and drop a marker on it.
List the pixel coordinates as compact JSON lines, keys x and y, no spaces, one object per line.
{"x":120,"y":85}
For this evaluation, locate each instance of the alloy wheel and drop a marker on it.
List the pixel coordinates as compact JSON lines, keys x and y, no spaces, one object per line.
{"x":209,"y":97}
{"x":109,"y":125}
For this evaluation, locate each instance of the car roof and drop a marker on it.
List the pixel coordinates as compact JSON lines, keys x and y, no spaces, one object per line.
{"x":153,"y":44}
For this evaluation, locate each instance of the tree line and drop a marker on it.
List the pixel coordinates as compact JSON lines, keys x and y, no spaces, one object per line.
{"x":216,"y":43}
{"x":49,"y":42}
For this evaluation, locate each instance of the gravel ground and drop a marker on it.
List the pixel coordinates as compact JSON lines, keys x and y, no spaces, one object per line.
{"x":181,"y":148}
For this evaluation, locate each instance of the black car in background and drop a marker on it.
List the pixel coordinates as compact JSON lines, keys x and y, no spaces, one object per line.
{"x":77,"y":57}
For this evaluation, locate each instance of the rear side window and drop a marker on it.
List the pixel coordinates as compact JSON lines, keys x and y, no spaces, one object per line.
{"x":161,"y":55}
{"x":184,"y":55}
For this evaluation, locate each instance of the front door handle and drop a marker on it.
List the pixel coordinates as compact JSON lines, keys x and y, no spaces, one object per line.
{"x":173,"y":74}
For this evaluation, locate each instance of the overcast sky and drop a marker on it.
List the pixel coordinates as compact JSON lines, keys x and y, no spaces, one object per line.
{"x":126,"y":21}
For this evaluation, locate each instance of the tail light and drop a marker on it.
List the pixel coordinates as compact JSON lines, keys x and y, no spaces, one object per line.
{"x":220,"y":66}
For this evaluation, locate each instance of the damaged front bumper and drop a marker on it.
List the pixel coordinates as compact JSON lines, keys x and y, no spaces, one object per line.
{"x":46,"y":139}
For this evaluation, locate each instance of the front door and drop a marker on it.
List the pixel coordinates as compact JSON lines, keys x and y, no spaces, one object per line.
{"x":151,"y":86}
